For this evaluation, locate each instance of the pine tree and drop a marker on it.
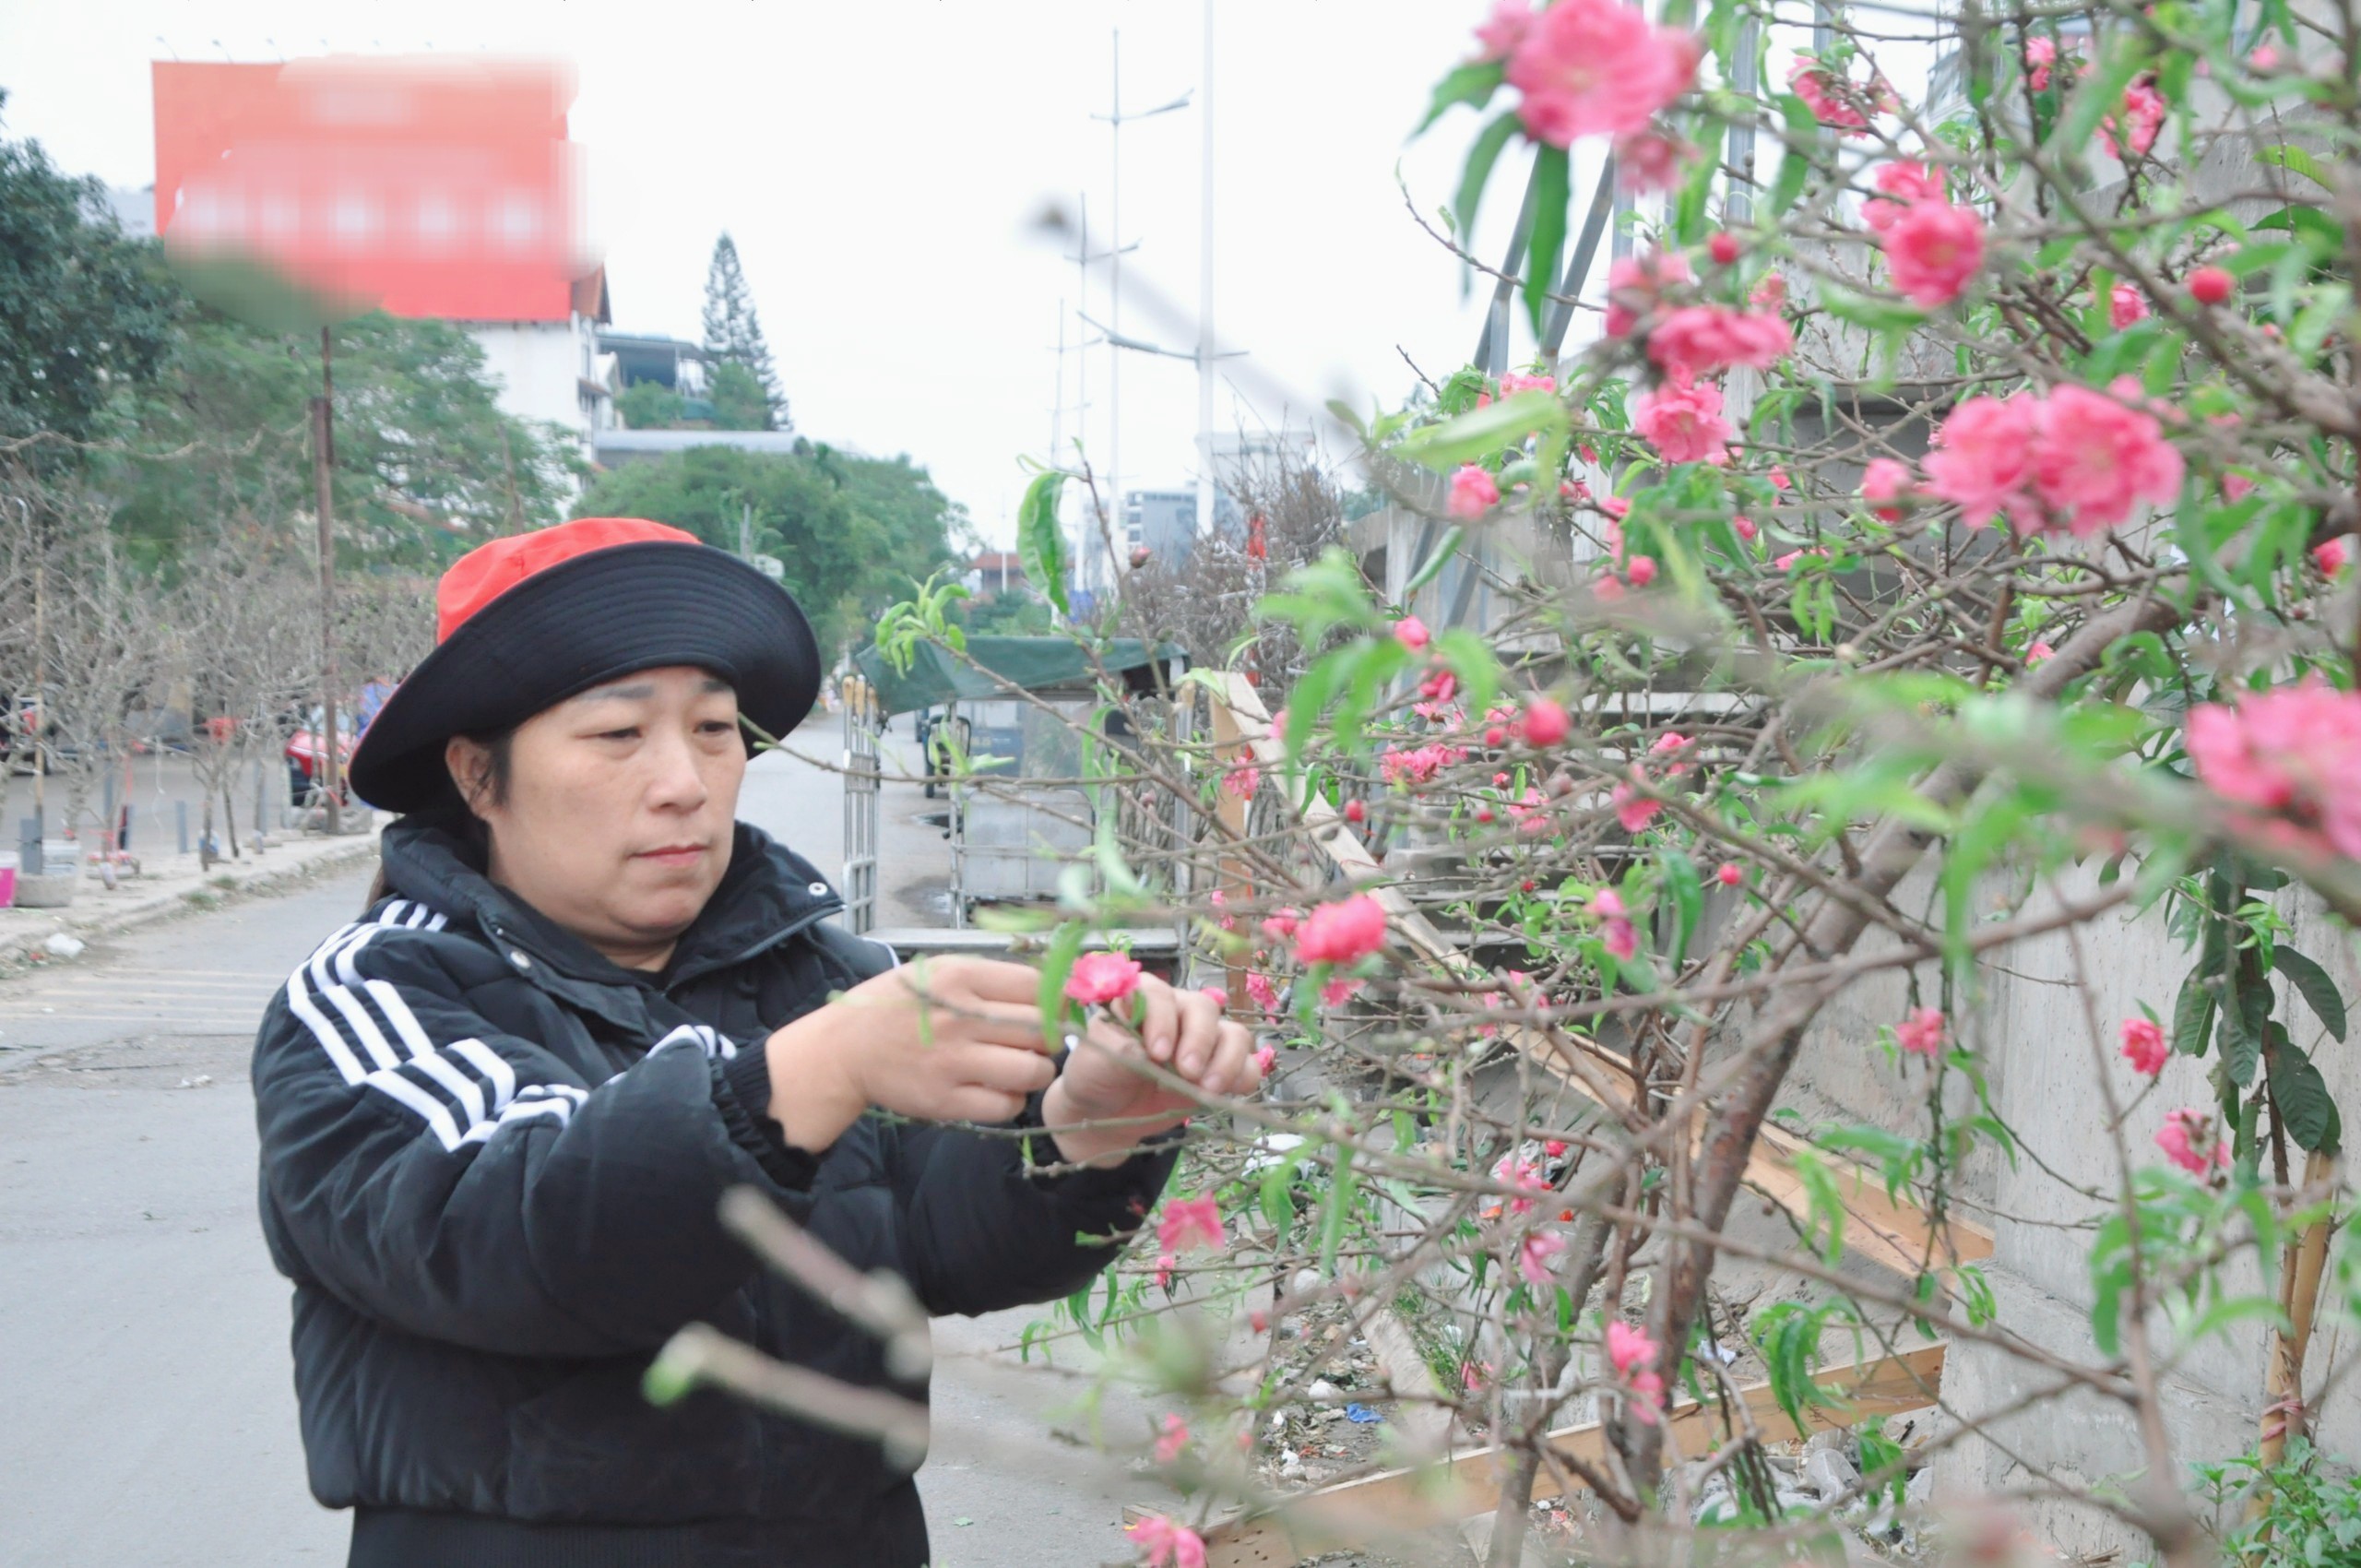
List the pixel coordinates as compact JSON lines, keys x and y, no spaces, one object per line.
{"x":733,"y":333}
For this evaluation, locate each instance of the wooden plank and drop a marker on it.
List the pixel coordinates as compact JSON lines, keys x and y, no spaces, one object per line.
{"x":909,"y":941}
{"x":1369,"y":1510}
{"x":1894,"y":1233}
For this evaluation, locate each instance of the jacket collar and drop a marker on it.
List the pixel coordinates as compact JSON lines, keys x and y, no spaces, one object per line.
{"x":768,"y":893}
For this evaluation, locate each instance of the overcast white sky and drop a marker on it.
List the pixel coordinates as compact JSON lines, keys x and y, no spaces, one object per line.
{"x":878,"y":163}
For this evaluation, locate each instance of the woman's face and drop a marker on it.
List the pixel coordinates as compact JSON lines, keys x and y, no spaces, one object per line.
{"x":618,"y":815}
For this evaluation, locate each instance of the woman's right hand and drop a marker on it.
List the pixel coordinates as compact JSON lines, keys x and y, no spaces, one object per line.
{"x":943,"y":1040}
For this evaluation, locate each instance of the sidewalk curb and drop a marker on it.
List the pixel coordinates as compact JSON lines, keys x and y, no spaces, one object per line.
{"x":16,"y":953}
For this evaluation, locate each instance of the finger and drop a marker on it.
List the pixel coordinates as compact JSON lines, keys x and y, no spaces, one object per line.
{"x":1200,"y":1033}
{"x":1160,"y":1022}
{"x":1003,"y":1068}
{"x":982,"y":1105}
{"x":994,"y":980}
{"x":994,"y":1022}
{"x":1233,"y":1071}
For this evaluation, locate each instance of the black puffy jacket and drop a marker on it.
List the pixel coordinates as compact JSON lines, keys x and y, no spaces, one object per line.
{"x":490,"y":1162}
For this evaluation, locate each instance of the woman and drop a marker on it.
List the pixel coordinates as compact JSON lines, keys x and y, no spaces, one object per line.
{"x":497,"y":1113}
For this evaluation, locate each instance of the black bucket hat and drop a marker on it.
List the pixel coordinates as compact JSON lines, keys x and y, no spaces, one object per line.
{"x":527,"y":621}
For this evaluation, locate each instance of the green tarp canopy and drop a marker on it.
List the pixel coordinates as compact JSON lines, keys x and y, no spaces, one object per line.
{"x":1037,"y":664}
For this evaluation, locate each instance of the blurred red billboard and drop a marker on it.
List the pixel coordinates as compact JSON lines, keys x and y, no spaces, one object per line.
{"x":433,"y":187}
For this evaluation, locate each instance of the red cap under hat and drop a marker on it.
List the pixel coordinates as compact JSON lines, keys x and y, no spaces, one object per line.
{"x":488,"y":571}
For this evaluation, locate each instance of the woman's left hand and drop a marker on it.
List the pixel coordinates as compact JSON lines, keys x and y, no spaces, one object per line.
{"x":1181,"y":1031}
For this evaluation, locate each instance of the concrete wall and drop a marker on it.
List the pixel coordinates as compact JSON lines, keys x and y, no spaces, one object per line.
{"x":2027,"y":1022}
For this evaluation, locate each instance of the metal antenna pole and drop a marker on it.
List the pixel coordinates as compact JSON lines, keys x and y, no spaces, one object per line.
{"x":1206,"y":295}
{"x":1115,"y":290}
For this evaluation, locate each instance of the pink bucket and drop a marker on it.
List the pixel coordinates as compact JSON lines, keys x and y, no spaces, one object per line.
{"x":7,"y":881}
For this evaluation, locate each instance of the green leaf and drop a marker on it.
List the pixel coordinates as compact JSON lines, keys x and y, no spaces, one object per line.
{"x":2296,"y":160}
{"x":2192,"y":1014}
{"x":2311,"y":981}
{"x":1472,"y":84}
{"x":2240,"y":1035}
{"x":1794,"y":160}
{"x":1477,"y":172}
{"x":1552,"y":191}
{"x":1040,"y":543}
{"x":1057,"y":964}
{"x":1481,"y":433}
{"x":1432,"y":566}
{"x":2305,"y":1108}
{"x":1470,"y":658}
{"x":1680,"y":880}
{"x":1278,"y":1191}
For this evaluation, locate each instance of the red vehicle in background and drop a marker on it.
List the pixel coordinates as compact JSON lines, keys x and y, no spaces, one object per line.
{"x":304,"y":786}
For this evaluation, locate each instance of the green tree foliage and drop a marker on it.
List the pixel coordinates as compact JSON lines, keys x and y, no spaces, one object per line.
{"x":734,"y":332}
{"x":82,"y":310}
{"x":737,"y":399}
{"x":855,"y":532}
{"x":645,"y":404}
{"x":426,"y":463}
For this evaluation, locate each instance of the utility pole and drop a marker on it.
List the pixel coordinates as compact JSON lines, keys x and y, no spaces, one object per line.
{"x":1115,"y":118}
{"x":323,"y":460}
{"x":1205,"y":293}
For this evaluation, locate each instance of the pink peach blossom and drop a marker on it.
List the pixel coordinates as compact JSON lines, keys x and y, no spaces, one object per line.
{"x":2329,"y":557}
{"x":1684,"y":424}
{"x":1641,"y":570}
{"x":1628,"y":1347}
{"x":2038,"y":652}
{"x":1883,"y":482}
{"x":1533,"y":1257}
{"x":1921,"y":1033}
{"x":1164,"y":1544}
{"x":1597,"y":68}
{"x":1264,"y":993}
{"x":2143,"y":1046}
{"x":1635,"y":286}
{"x":1189,"y":1223}
{"x":1474,"y":491}
{"x":1102,"y":978}
{"x":1342,"y":932}
{"x":1545,"y":723}
{"x":1634,"y":810}
{"x":1411,"y":632}
{"x":1511,"y":382}
{"x":2143,"y":117}
{"x":1707,"y":339}
{"x":1338,"y":991}
{"x":1164,"y":1264}
{"x":2125,"y":304}
{"x":1650,"y":161}
{"x":1982,"y":459}
{"x":1729,"y":875}
{"x":2295,"y":752}
{"x":2040,"y":54}
{"x":1265,"y":1058}
{"x":2187,"y":1139}
{"x":1621,"y":937}
{"x":2095,"y":459}
{"x":1174,"y":1441}
{"x":1934,"y":250}
{"x":1498,"y":36}
{"x":1904,"y":182}
{"x":1744,"y":526}
{"x":1243,"y":781}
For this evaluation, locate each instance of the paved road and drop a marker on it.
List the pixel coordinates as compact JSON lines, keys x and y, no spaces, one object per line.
{"x":144,"y":1371}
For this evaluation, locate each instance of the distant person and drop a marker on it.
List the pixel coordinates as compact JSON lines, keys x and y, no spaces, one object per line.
{"x":373,"y":693}
{"x":497,"y":1113}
